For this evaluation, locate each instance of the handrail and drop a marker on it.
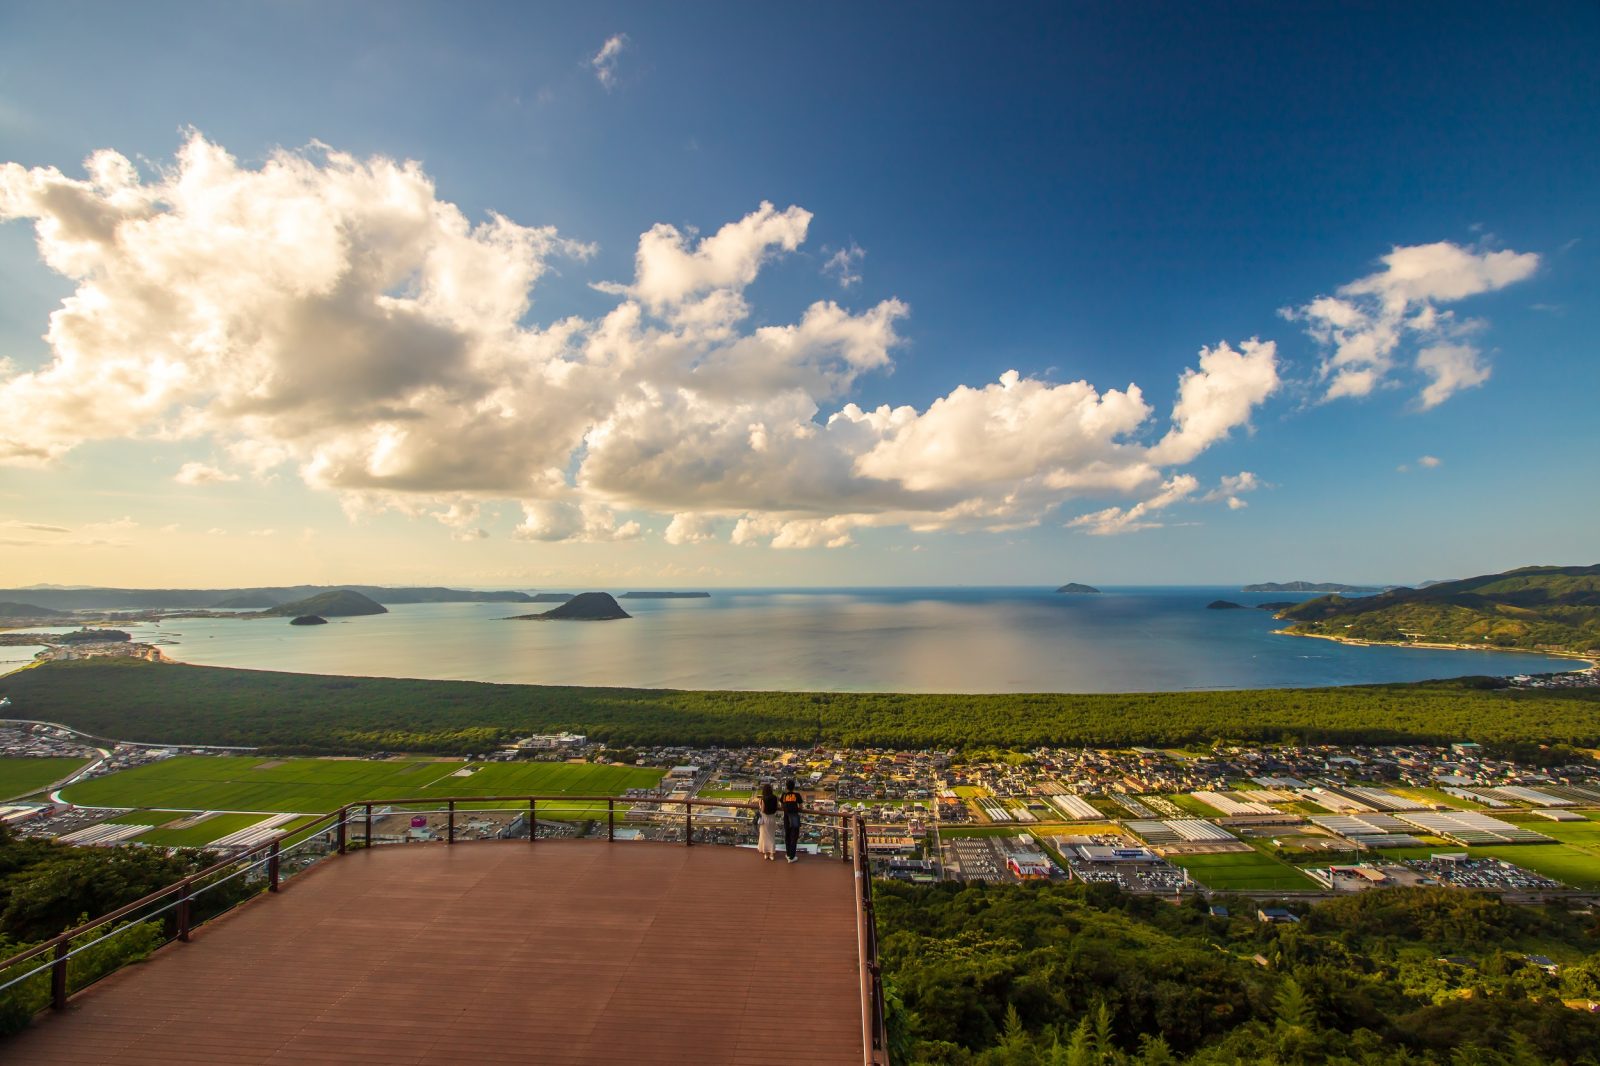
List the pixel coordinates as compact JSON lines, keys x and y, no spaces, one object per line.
{"x":874,"y":1042}
{"x":176,"y":886}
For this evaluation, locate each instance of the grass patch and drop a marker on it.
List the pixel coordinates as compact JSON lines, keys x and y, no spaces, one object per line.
{"x":198,"y":835}
{"x":984,"y":831}
{"x":1569,"y":864}
{"x":233,"y":783}
{"x":20,"y":776}
{"x":1188,"y":803}
{"x":1243,"y":871}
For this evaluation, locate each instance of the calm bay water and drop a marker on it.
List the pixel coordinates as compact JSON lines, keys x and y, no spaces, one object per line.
{"x":902,"y":640}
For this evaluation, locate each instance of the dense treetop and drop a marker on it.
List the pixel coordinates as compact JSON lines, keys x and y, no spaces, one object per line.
{"x":131,"y":699}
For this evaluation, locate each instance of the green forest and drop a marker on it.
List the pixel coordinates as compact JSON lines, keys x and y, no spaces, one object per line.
{"x":1547,"y":607}
{"x":47,"y":888}
{"x":1074,"y":974}
{"x":129,"y":699}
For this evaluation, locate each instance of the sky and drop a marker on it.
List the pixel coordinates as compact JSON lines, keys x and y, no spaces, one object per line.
{"x":541,"y":295}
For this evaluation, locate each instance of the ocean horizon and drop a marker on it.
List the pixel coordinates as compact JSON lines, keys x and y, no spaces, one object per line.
{"x":962,"y":639}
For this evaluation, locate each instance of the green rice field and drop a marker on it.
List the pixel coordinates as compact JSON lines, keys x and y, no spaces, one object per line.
{"x":235,"y":784}
{"x":18,"y":777}
{"x":1243,"y":871}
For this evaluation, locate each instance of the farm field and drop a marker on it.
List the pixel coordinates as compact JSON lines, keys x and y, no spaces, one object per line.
{"x":18,"y":777}
{"x":1436,"y":796}
{"x":1188,"y":804}
{"x":314,"y":786}
{"x":982,"y":831}
{"x":1078,"y":829}
{"x":1242,"y":871}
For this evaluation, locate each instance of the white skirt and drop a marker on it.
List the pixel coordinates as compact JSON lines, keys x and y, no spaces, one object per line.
{"x":766,"y":843}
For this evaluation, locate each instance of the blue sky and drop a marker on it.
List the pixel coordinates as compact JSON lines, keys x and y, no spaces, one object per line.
{"x":1085,"y":196}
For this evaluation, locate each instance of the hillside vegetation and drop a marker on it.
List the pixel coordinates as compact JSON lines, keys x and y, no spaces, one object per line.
{"x":1535,"y":607}
{"x":170,"y":703}
{"x":1065,"y":974}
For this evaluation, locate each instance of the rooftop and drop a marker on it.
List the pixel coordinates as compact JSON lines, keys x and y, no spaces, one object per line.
{"x":497,"y":952}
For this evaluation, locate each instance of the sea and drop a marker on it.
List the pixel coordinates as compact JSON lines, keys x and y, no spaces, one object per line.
{"x":966,"y":639}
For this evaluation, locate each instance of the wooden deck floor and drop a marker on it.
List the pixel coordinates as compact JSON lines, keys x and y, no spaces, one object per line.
{"x":504,"y":952}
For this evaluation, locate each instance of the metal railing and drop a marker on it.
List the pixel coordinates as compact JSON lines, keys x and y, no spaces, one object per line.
{"x":285,"y":854}
{"x":874,"y":1036}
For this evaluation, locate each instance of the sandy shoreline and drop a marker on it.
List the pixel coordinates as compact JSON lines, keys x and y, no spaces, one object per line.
{"x":1588,"y":662}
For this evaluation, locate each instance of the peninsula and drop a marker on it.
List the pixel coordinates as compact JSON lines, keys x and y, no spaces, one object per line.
{"x":1534,"y":608}
{"x":59,"y":600}
{"x":666,"y":595}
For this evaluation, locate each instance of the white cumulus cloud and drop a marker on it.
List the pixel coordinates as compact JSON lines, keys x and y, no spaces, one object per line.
{"x":1363,"y":328}
{"x":334,"y":317}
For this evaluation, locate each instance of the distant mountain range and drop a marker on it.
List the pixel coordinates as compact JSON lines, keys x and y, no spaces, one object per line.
{"x":83,"y":599}
{"x":1309,"y":586}
{"x":1555,"y":608}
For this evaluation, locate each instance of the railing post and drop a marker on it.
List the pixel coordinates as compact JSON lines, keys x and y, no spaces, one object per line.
{"x":688,"y":823}
{"x":183,"y":911}
{"x":272,"y":867}
{"x":58,"y":977}
{"x":369,"y":825}
{"x":533,"y":818}
{"x":838,"y":840}
{"x":344,"y":814}
{"x":611,"y":819}
{"x":450,"y":826}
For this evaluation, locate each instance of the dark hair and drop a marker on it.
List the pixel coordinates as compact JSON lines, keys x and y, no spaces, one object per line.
{"x":789,"y":785}
{"x":766,"y":788}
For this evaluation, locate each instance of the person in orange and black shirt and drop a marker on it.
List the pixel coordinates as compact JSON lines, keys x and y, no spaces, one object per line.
{"x":790,"y":802}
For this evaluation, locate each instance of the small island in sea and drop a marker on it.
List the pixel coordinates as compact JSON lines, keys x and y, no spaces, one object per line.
{"x":1074,"y":589}
{"x":308,"y":620}
{"x":666,"y":595}
{"x":584,"y":607}
{"x":1224,"y":605}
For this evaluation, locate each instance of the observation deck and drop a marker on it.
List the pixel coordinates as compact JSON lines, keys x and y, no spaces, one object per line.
{"x":570,"y":951}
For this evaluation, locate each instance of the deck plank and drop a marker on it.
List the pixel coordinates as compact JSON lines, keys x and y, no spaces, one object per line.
{"x":572,"y":952}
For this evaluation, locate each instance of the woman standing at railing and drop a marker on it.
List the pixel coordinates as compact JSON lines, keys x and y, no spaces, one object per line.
{"x":766,"y":816}
{"x":790,"y":801}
